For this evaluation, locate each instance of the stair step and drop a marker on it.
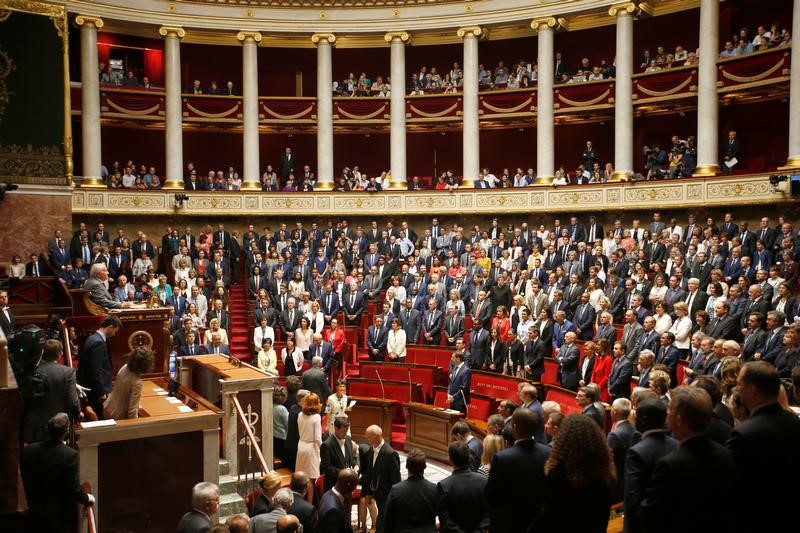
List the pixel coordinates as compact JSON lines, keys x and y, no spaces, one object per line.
{"x":227,"y":484}
{"x":231,"y":504}
{"x":224,"y":467}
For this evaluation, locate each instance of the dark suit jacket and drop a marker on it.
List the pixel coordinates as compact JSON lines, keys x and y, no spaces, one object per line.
{"x":619,"y":440}
{"x":54,"y":392}
{"x":584,"y":318}
{"x":99,"y":295}
{"x":567,"y":360}
{"x":461,"y":503}
{"x":453,"y":332}
{"x":223,"y":349}
{"x":699,"y":302}
{"x":333,"y":516}
{"x":288,"y":326}
{"x":7,"y":324}
{"x":726,"y":328}
{"x":377,"y":341}
{"x":619,"y":381}
{"x":535,"y":352}
{"x":768,"y":428}
{"x":434,"y":329}
{"x":315,"y":380}
{"x":479,"y":348}
{"x":639,"y":463}
{"x":332,"y":460}
{"x":94,"y":366}
{"x":709,"y":466}
{"x":516,"y":484}
{"x":411,"y":321}
{"x":459,"y":385}
{"x":411,"y":507}
{"x":378,"y":479}
{"x":356,"y":309}
{"x":305,"y":512}
{"x":50,"y":476}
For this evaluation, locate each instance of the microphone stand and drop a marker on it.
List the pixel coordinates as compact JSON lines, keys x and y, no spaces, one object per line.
{"x":410,"y":387}
{"x":383,"y":391}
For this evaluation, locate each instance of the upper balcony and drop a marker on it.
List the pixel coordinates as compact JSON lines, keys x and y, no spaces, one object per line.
{"x":758,"y":76}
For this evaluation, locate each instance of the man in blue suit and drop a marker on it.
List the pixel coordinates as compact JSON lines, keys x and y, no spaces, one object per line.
{"x":334,"y":507}
{"x":377,"y":338}
{"x":432,"y":324}
{"x":619,"y":381}
{"x":560,"y":328}
{"x":329,"y":303}
{"x":642,"y":457}
{"x":668,"y":354}
{"x":774,"y":343}
{"x":460,"y":381}
{"x":515,"y":490}
{"x":94,"y":363}
{"x":216,"y":346}
{"x":320,"y":348}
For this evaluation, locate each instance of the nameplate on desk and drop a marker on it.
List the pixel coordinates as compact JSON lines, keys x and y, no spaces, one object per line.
{"x":172,"y":399}
{"x":185,"y":409}
{"x":98,"y":423}
{"x":451,"y":411}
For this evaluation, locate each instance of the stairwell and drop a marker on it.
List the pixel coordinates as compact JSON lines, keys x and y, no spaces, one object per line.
{"x":239,"y":334}
{"x":230,"y":501}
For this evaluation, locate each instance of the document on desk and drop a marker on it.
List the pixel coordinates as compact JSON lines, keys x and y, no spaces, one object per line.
{"x":185,"y":409}
{"x":172,"y":399}
{"x":98,"y":423}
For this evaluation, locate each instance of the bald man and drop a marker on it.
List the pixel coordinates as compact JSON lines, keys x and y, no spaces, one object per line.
{"x":380,"y":470}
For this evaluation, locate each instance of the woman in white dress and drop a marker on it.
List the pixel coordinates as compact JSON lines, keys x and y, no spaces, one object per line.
{"x":337,"y":404}
{"x":16,"y":269}
{"x":663,"y":320}
{"x":264,"y":331}
{"x":396,"y":343}
{"x":659,"y":290}
{"x":182,"y":272}
{"x":682,"y":328}
{"x":595,"y":293}
{"x":213,"y":327}
{"x":266,"y":359}
{"x":315,"y":317}
{"x":309,"y":427}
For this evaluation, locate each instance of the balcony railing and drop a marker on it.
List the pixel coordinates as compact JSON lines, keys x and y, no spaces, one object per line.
{"x":745,"y":73}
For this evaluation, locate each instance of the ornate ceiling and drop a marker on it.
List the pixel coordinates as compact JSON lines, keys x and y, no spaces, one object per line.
{"x":323,"y":3}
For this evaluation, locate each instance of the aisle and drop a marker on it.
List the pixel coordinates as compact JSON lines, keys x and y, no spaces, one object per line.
{"x":239,"y":335}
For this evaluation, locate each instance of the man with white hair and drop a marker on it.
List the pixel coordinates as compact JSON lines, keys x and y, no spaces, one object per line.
{"x":695,"y":299}
{"x":620,"y":439}
{"x":268,"y":523}
{"x":205,"y":505}
{"x":315,"y":380}
{"x":97,"y":286}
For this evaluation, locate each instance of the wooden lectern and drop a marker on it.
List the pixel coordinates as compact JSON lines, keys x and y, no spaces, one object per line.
{"x":369,"y":411}
{"x":428,"y":428}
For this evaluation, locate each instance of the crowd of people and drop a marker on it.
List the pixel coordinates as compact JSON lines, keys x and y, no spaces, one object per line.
{"x":613,"y":307}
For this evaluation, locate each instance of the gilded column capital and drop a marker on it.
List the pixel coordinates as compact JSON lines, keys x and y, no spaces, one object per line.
{"x":551,"y":23}
{"x":177,"y":31}
{"x":403,"y":36}
{"x":327,"y":37}
{"x":87,"y":20}
{"x":624,"y":9}
{"x":471,"y":31}
{"x":246,"y":35}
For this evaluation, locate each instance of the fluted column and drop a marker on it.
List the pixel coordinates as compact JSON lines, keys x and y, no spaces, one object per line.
{"x":623,"y":90}
{"x":250,"y":40}
{"x":324,"y":42}
{"x":794,"y":95}
{"x":173,"y":105}
{"x":91,"y":144}
{"x":471,"y":149}
{"x":397,"y":49}
{"x":545,"y":119}
{"x":707,"y":99}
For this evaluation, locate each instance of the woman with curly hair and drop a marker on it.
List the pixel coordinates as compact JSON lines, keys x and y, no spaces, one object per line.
{"x":728,"y":373}
{"x":579,"y":469}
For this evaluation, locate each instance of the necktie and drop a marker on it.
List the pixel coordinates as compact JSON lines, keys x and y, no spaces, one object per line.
{"x":690,"y":300}
{"x":328,"y":303}
{"x":431,"y":320}
{"x":291,"y":317}
{"x":36,"y":270}
{"x":352,"y":300}
{"x":191,"y":349}
{"x":86,"y":256}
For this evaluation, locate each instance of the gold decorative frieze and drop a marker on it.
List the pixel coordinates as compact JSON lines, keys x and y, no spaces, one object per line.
{"x":624,"y":8}
{"x":471,"y":31}
{"x":552,"y":23}
{"x":709,"y":192}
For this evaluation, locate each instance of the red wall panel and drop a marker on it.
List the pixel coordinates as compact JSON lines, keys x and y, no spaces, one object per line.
{"x":370,"y":153}
{"x":571,"y":141}
{"x":209,"y":63}
{"x":142,"y":146}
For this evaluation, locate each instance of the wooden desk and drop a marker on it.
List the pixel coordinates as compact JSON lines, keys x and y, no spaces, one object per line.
{"x":428,"y":376}
{"x":369,"y":411}
{"x":217,"y":379}
{"x":158,"y":457}
{"x":428,"y":428}
{"x":496,"y":385}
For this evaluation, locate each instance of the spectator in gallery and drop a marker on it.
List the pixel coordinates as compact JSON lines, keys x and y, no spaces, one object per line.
{"x":130,"y":80}
{"x":196,"y":89}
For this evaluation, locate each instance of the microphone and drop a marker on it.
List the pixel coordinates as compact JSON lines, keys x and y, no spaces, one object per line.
{"x":465,"y":400}
{"x":383,"y":391}
{"x":410,"y":387}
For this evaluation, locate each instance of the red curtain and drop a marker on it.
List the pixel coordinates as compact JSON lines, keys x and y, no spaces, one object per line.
{"x":154,"y":66}
{"x":103,"y":51}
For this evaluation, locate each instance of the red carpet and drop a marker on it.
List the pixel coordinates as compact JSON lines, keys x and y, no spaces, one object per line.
{"x":239,"y":334}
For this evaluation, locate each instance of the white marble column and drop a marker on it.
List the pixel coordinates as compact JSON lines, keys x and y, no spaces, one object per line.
{"x":91,"y":143}
{"x":707,"y":99}
{"x":173,"y":105}
{"x":324,"y":42}
{"x":250,"y":40}
{"x":793,"y":162}
{"x":471,"y":144}
{"x":623,"y":90}
{"x":545,"y":119}
{"x":397,"y":50}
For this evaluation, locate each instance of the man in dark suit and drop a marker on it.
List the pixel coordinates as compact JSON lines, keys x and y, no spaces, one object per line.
{"x":764,"y":449}
{"x":516,"y":478}
{"x":220,"y":314}
{"x":322,"y":349}
{"x":432,"y":324}
{"x":354,"y":304}
{"x":585,"y":399}
{"x":649,"y":339}
{"x":631,"y":335}
{"x":301,"y":508}
{"x":53,"y":391}
{"x":584,"y":318}
{"x":723,"y":325}
{"x":334,"y":509}
{"x":479,"y":347}
{"x":708,"y":464}
{"x":288,"y":164}
{"x":7,"y":317}
{"x":668,"y":354}
{"x":695,"y":298}
{"x":730,"y":153}
{"x":411,"y":505}
{"x":380,"y":470}
{"x":336,"y":452}
{"x":567,"y":360}
{"x":289,"y":318}
{"x":459,"y":386}
{"x":216,"y":346}
{"x":773,"y":344}
{"x":619,"y":380}
{"x":292,"y":431}
{"x":410,"y":321}
{"x":619,"y":440}
{"x":462,"y":505}
{"x":642,"y":458}
{"x":94,"y":364}
{"x":535,"y":351}
{"x":453,"y":326}
{"x":377,"y":339}
{"x":754,"y":339}
{"x":329,"y":303}
{"x":315,"y":380}
{"x":50,"y":476}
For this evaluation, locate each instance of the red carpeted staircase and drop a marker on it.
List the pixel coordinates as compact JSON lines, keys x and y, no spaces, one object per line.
{"x":240,"y":333}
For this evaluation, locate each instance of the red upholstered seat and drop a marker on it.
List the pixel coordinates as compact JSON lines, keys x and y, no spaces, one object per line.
{"x":440,"y":399}
{"x":550,"y":375}
{"x":479,"y":408}
{"x":563,"y":397}
{"x":681,"y":372}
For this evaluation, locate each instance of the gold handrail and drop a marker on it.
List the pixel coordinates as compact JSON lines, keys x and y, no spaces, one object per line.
{"x":89,"y":510}
{"x":252,"y":442}
{"x":67,"y":343}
